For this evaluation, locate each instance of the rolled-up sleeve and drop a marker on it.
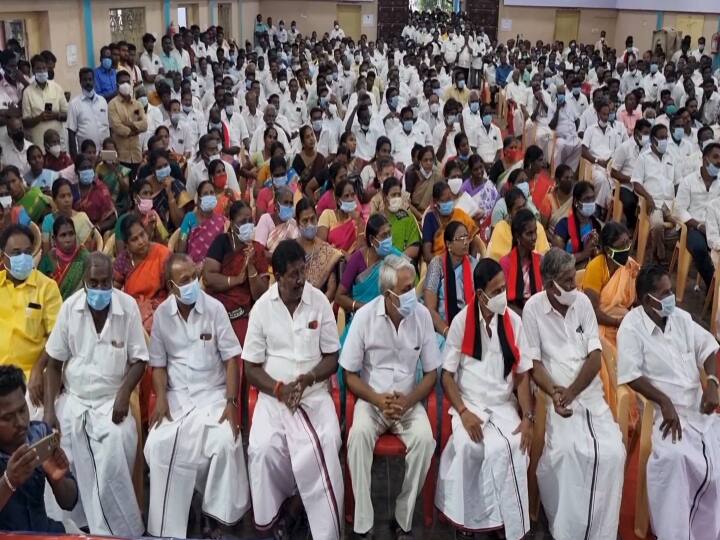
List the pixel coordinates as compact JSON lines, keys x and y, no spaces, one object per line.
{"x":136,"y":342}
{"x":530,"y":342}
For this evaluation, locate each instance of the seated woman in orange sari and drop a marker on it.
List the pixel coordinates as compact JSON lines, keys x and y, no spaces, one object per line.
{"x":236,"y":270}
{"x":436,"y":218}
{"x":218,"y":177}
{"x":342,"y":227}
{"x":609,"y":283}
{"x":201,"y":226}
{"x":139,"y":269}
{"x":538,"y":175}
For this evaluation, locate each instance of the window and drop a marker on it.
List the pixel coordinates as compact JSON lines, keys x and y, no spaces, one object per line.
{"x":127,"y":24}
{"x":225,"y":20}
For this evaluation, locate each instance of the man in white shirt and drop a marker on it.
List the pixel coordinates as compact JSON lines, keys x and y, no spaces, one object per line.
{"x":576,"y":99}
{"x":406,"y":137}
{"x":489,"y":441}
{"x":580,"y":473}
{"x":97,"y":352}
{"x":290,"y":350}
{"x":710,"y":103}
{"x":239,"y":136}
{"x":269,"y":120}
{"x":516,"y":94}
{"x":14,"y":145}
{"x":150,"y":64}
{"x":194,"y":118}
{"x":624,"y":160}
{"x":387,"y":339}
{"x":294,"y":108}
{"x":696,"y":194}
{"x":599,"y":142}
{"x":337,"y":32}
{"x":631,"y":79}
{"x":564,"y":121}
{"x":661,"y":355}
{"x":487,"y":139}
{"x":252,"y":115}
{"x":195,"y":426}
{"x":182,"y":57}
{"x":366,"y":128}
{"x":87,"y":115}
{"x":681,"y":147}
{"x":181,"y":139}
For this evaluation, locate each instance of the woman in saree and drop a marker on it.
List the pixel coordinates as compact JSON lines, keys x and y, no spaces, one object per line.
{"x":139,"y":269}
{"x":609,"y":283}
{"x":33,"y":200}
{"x":449,"y":279}
{"x":522,"y":265}
{"x":142,"y":199}
{"x":420,"y":183}
{"x":308,"y":163}
{"x":10,"y":214}
{"x":519,"y":179}
{"x":168,"y":193}
{"x":404,"y":228}
{"x":38,"y":176}
{"x":95,"y":199}
{"x":62,"y":194}
{"x":67,"y":260}
{"x":115,"y":176}
{"x":342,"y":226}
{"x":201,"y":226}
{"x":260,"y":160}
{"x":579,"y":231}
{"x":321,"y":259}
{"x":383,"y":148}
{"x":335,"y":174}
{"x":348,"y":142}
{"x":501,"y":241}
{"x":279,"y":176}
{"x":280,"y":225}
{"x":558,"y":201}
{"x":163,"y":133}
{"x":224,"y":195}
{"x":437,"y":217}
{"x":511,"y":159}
{"x":539,"y":178}
{"x":236,"y":270}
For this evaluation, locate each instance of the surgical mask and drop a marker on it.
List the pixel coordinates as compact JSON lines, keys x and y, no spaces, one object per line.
{"x":661,"y":145}
{"x":86,"y":177}
{"x":309,"y":232}
{"x":587,"y":209}
{"x":455,"y":184}
{"x":548,"y":81}
{"x":678,"y":133}
{"x":497,"y":304}
{"x":393,"y":102}
{"x":408,"y":303}
{"x":323,"y":101}
{"x":213,"y":158}
{"x":106,"y":63}
{"x":446,"y":208}
{"x":602,"y":123}
{"x":285,"y":213}
{"x":98,"y":299}
{"x":88,"y":93}
{"x":229,"y":110}
{"x":188,"y":293}
{"x":408,"y":125}
{"x":55,"y":150}
{"x":653,"y":68}
{"x":713,"y":170}
{"x":395,"y":204}
{"x":125,"y":89}
{"x":434,"y":108}
{"x":671,"y":109}
{"x":163,"y":172}
{"x":566,"y":298}
{"x":525,"y":188}
{"x":461,"y":84}
{"x":282,"y":85}
{"x":611,"y":117}
{"x":474,"y":106}
{"x":145,"y":205}
{"x":6,"y":201}
{"x":143,"y":101}
{"x":620,"y":256}
{"x":451,"y":119}
{"x":41,"y":77}
{"x":216,"y":125}
{"x":667,"y":305}
{"x":20,"y":266}
{"x":576,"y":91}
{"x":644,"y":140}
{"x":245,"y":232}
{"x":279,"y":181}
{"x":384,"y":247}
{"x":560,"y":99}
{"x":187,"y":109}
{"x":317,"y":125}
{"x":348,"y":206}
{"x":175,"y":118}
{"x":208,"y":203}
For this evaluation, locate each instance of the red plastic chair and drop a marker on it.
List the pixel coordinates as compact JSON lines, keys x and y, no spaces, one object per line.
{"x":445,"y":432}
{"x":388,"y":445}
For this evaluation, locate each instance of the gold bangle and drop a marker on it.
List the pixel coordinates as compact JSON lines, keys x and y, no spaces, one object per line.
{"x":253,"y":276}
{"x":228,"y":282}
{"x":353,"y":306}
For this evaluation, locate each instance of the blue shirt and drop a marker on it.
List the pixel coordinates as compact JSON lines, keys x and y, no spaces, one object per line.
{"x":25,"y":510}
{"x":168,"y":62}
{"x":501,"y":74}
{"x":44,"y":180}
{"x":105,"y":82}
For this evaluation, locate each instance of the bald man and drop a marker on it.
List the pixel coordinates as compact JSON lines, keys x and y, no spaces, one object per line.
{"x":97,"y":351}
{"x":193,"y":440}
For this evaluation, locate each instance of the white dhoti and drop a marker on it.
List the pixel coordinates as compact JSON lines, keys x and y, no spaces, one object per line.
{"x":483,"y":486}
{"x":603,"y":186}
{"x":413,"y":429}
{"x":297,"y":453}
{"x":102,"y":458}
{"x":683,"y":481}
{"x":195,"y":452}
{"x":568,"y":151}
{"x":580,"y":474}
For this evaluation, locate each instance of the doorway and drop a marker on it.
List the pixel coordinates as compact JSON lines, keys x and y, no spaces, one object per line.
{"x":567,"y":23}
{"x":349,"y":18}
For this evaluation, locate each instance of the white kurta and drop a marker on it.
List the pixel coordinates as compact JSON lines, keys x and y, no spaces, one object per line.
{"x":483,"y":486}
{"x":683,"y":478}
{"x":580,"y":473}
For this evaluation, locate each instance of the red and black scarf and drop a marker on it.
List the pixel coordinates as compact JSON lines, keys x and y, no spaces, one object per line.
{"x":574,"y":231}
{"x":515,"y":280}
{"x":472,"y":339}
{"x":451,"y":301}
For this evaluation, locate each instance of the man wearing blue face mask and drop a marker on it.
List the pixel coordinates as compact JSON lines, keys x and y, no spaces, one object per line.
{"x":389,"y":337}
{"x":663,"y":355}
{"x":105,"y":83}
{"x":459,"y":90}
{"x":405,"y":138}
{"x":38,"y":117}
{"x":564,"y":121}
{"x":97,"y":354}
{"x":28,"y":311}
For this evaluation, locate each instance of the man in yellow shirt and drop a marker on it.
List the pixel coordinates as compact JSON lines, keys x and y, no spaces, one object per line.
{"x":28,"y":310}
{"x":458,"y":91}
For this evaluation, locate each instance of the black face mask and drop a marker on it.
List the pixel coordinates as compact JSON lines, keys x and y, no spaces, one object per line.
{"x":17,"y":135}
{"x":620,"y":257}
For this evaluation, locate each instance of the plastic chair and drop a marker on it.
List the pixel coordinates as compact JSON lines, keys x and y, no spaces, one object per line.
{"x":642,"y":230}
{"x":617,"y":205}
{"x":109,"y":247}
{"x":585,"y":170}
{"x":37,"y":243}
{"x":97,"y":240}
{"x":173,"y":240}
{"x":609,"y":358}
{"x":138,"y":472}
{"x":551,"y":151}
{"x":502,"y":104}
{"x":683,"y":258}
{"x":388,"y":445}
{"x":579,"y":275}
{"x":536,"y":450}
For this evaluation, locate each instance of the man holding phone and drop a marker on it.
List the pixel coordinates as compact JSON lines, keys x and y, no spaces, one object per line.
{"x":44,"y":105}
{"x":26,"y":465}
{"x":127,"y":122}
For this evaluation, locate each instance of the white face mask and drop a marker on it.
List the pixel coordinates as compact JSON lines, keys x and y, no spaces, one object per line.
{"x":497,"y":304}
{"x":566,"y":298}
{"x":395,"y":204}
{"x":455,"y":185}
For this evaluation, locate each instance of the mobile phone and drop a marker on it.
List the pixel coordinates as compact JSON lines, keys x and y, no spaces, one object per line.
{"x":108,"y":156}
{"x":48,"y":107}
{"x":46,"y":446}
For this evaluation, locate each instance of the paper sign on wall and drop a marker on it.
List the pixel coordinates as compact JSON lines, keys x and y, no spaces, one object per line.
{"x":368,"y":19}
{"x":506,"y":24}
{"x":72,"y":54}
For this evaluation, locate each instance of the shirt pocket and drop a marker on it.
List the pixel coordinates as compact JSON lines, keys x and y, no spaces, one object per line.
{"x":34,"y":323}
{"x":309,"y":339}
{"x":205,"y":358}
{"x":113,"y":358}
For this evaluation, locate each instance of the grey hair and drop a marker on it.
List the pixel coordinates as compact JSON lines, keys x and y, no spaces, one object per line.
{"x":391,"y":265}
{"x":97,"y":259}
{"x":554,"y":263}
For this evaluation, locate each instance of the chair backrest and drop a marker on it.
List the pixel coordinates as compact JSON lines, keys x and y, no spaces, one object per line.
{"x":109,"y":247}
{"x":173,"y":241}
{"x":579,"y":275}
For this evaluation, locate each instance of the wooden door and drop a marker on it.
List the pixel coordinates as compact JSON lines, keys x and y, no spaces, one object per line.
{"x":349,"y":18}
{"x":567,"y":23}
{"x":391,"y":18}
{"x":484,"y":13}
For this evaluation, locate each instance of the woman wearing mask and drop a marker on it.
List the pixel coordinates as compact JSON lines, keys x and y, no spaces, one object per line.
{"x":522,"y":264}
{"x":95,"y":199}
{"x":168,"y":193}
{"x":512,"y":158}
{"x":115,"y":176}
{"x":67,"y":261}
{"x":448,"y":282}
{"x":383,"y":149}
{"x":463,"y":201}
{"x":403,"y":225}
{"x":578,"y":232}
{"x":517,"y":179}
{"x":279,"y":225}
{"x":308,"y":163}
{"x":538,"y":177}
{"x":559,"y":199}
{"x":62,"y":194}
{"x":479,"y":186}
{"x":437,"y":217}
{"x":201,"y":226}
{"x":274,"y":174}
{"x":142,"y":198}
{"x":342,"y":227}
{"x":336,"y":173}
{"x":236,"y":271}
{"x":218,"y":178}
{"x":501,"y":241}
{"x":33,"y":200}
{"x":420,"y":185}
{"x":38,"y":176}
{"x":321,"y":259}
